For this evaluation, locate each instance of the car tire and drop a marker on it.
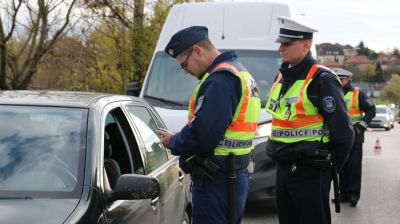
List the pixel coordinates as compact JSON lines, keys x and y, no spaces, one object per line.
{"x":185,"y":219}
{"x":387,"y":129}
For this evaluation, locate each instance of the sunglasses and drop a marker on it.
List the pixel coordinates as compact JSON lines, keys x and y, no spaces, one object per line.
{"x":185,"y":63}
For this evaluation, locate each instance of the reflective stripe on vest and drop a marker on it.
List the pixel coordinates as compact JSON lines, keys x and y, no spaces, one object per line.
{"x":292,"y":133}
{"x":294,"y":117}
{"x":240,"y":133}
{"x":353,"y":106}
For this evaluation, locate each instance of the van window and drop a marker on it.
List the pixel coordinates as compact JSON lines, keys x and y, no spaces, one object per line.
{"x":168,"y":81}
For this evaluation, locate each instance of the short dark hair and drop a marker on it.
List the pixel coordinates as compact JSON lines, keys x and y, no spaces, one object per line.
{"x":205,"y":43}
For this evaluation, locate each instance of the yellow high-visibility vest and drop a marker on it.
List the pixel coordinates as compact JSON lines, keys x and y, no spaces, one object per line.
{"x":353,"y":106}
{"x":238,"y":138}
{"x":294,"y":117}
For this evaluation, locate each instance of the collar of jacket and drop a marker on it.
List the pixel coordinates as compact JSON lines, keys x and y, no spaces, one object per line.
{"x":224,"y":56}
{"x":348,"y":87}
{"x":298,"y":71}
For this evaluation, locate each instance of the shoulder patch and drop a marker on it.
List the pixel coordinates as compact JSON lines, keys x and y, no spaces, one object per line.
{"x":199,"y":104}
{"x":324,"y":73}
{"x":329,"y":104}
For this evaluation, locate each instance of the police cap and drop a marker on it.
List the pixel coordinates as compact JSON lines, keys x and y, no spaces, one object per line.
{"x":291,"y":30}
{"x":185,"y":38}
{"x":342,"y":73}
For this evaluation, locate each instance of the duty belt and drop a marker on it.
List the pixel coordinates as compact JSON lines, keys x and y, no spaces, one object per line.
{"x":234,"y":143}
{"x":294,"y":133}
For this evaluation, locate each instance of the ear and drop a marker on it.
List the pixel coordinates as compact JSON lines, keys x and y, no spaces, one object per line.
{"x":197,"y":50}
{"x":307,"y":45}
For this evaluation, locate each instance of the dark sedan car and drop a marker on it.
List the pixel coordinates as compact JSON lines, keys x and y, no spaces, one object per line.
{"x":69,"y":157}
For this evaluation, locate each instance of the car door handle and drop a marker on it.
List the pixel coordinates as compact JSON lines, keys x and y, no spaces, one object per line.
{"x":154,"y":203}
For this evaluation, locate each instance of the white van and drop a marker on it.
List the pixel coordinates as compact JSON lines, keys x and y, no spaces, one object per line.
{"x":251,"y":29}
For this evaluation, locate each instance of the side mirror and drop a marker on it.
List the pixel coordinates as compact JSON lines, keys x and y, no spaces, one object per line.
{"x":134,"y":187}
{"x":133,"y":89}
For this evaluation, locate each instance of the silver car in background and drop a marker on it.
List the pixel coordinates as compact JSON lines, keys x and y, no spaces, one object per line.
{"x":383,"y":118}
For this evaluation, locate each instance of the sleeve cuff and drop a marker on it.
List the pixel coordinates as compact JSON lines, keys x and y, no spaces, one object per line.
{"x":171,"y":145}
{"x":363,"y":124}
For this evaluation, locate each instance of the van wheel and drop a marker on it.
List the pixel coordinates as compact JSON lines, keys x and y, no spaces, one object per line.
{"x":185,"y":219}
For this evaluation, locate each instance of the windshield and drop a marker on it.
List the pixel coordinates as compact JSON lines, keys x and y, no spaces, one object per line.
{"x":168,"y":81}
{"x":41,"y":151}
{"x":381,"y":110}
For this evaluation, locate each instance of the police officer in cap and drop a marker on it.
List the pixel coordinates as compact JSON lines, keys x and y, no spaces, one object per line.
{"x":361,"y":110}
{"x":223,"y":114}
{"x":309,"y":124}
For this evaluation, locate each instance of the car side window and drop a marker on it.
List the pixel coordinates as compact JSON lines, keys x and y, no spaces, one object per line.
{"x":156,"y":154}
{"x":121,"y":152}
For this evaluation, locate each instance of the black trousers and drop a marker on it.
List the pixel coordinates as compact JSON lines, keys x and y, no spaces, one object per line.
{"x":350,"y":176}
{"x":303,"y":194}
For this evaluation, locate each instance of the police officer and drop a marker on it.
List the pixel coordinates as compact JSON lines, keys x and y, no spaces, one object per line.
{"x":223,"y":114}
{"x":361,"y":110}
{"x":309,"y":124}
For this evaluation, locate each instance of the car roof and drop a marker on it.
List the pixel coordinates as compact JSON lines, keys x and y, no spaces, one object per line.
{"x":61,"y":98}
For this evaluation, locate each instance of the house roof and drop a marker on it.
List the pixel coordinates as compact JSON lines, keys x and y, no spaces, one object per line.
{"x":358,"y":59}
{"x":330,"y":49}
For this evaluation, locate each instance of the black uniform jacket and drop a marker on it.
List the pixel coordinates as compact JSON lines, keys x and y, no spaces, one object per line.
{"x":323,"y":87}
{"x":367,"y":106}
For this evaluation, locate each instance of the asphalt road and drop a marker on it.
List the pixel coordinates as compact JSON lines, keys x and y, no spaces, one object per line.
{"x":380,"y":193}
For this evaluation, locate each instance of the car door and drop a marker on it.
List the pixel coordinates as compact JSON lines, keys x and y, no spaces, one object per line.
{"x":159,"y":163}
{"x":122,"y":156}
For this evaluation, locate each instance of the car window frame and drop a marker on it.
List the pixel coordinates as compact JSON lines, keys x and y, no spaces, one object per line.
{"x":158,"y":123}
{"x":105,"y":110}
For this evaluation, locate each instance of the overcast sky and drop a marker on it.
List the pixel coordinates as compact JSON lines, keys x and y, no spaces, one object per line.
{"x":376,"y":22}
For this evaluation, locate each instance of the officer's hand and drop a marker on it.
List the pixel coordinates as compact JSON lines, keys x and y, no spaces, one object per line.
{"x":165,"y":136}
{"x":358,"y":129}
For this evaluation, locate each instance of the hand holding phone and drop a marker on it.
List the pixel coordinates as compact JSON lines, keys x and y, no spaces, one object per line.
{"x":162,"y":129}
{"x":165,"y":136}
{"x":165,"y":130}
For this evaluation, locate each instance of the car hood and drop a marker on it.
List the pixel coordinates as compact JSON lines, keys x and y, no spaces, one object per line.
{"x":35,"y":211}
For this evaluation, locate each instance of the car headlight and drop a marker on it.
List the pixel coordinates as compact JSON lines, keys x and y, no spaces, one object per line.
{"x":263,"y":130}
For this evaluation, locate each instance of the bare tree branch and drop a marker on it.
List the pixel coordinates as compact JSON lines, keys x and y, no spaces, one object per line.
{"x":14,"y":18}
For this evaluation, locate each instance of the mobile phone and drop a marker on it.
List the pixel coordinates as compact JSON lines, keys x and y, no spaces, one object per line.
{"x":162,"y":129}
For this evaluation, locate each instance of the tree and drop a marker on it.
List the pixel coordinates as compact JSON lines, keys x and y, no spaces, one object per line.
{"x":378,"y":73}
{"x":367,"y":73}
{"x":392,"y":89}
{"x":396,"y":52}
{"x":23,"y":44}
{"x":58,"y":68}
{"x":140,"y":31}
{"x":363,"y":50}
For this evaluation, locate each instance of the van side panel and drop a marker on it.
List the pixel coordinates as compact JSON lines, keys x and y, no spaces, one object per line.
{"x":231,"y":25}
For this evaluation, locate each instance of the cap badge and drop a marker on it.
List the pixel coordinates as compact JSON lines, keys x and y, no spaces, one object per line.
{"x":171,"y":52}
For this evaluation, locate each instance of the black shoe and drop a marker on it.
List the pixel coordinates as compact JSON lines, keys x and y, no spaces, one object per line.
{"x":353,"y":201}
{"x":342,"y":198}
